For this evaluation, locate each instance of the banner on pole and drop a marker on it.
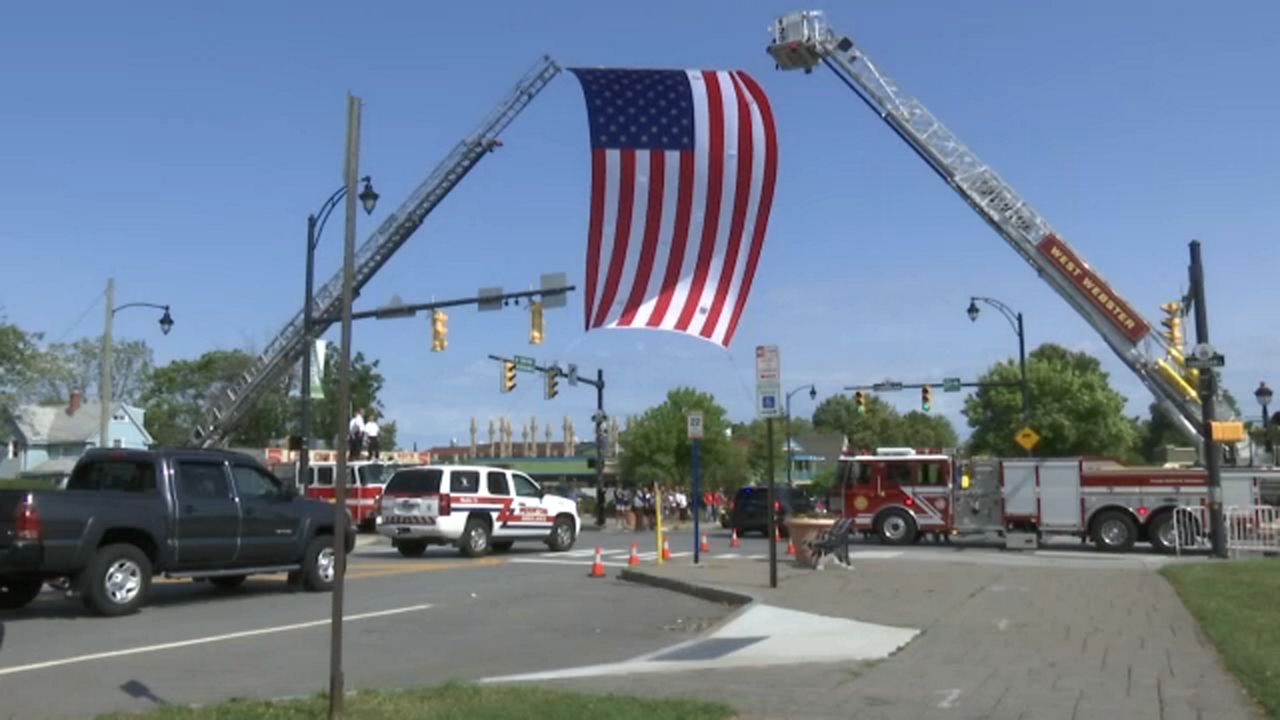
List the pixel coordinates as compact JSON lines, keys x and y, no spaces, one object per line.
{"x":316,"y":382}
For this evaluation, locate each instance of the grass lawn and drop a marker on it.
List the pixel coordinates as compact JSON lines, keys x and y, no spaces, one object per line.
{"x":27,"y":484}
{"x":454,"y":701}
{"x":1236,"y":602}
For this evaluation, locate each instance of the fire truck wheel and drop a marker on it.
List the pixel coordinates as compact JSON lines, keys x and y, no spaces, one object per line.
{"x":895,"y":527}
{"x":1114,"y":531}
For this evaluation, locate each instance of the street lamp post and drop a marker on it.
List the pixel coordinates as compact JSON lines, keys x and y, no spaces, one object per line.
{"x":315,"y":226}
{"x":813,"y":395}
{"x":1015,"y":319}
{"x":1263,"y":395}
{"x":104,"y":360}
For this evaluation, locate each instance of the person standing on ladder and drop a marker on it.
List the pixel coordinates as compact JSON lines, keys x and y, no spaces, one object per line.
{"x":371,"y":431}
{"x":355,"y":434}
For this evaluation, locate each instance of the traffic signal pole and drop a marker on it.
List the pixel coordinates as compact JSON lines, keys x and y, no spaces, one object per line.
{"x":1208,"y":394}
{"x":599,"y":417}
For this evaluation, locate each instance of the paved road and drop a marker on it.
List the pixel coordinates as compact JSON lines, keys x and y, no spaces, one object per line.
{"x":410,"y":622}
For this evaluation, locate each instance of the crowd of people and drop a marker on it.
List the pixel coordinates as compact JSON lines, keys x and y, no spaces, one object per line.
{"x":636,"y":508}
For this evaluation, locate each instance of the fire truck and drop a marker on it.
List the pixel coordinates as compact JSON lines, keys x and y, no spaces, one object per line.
{"x":903,"y":494}
{"x":365,"y":478}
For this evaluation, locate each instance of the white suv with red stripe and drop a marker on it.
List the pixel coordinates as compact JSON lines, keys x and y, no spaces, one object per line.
{"x":475,"y":508}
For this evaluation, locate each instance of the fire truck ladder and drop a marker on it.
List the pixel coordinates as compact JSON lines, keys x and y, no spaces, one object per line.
{"x":224,"y":410}
{"x":802,"y":40}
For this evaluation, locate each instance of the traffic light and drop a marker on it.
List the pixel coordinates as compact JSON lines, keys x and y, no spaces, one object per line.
{"x":860,"y":401}
{"x":926,"y":398}
{"x":507,"y":381}
{"x":552,"y":390}
{"x":439,"y":330}
{"x":1173,"y":325}
{"x":535,"y":323}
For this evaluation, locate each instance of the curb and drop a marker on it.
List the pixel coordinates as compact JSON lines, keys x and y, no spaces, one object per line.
{"x":704,"y":592}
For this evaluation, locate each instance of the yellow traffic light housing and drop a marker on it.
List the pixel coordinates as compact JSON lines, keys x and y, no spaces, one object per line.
{"x":926,"y":398}
{"x":1173,"y":326}
{"x":860,"y":402}
{"x":552,"y":389}
{"x":439,"y":330}
{"x":535,"y":323}
{"x":507,"y":381}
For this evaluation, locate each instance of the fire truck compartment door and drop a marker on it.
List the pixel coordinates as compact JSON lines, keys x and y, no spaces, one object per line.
{"x":1020,"y":487}
{"x":1060,"y":494}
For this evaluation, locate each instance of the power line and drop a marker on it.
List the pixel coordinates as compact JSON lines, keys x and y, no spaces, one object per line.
{"x":80,"y":319}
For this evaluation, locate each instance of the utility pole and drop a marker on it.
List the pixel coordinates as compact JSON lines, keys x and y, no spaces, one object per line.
{"x":336,"y":681}
{"x":1208,"y":397}
{"x":773,"y":517}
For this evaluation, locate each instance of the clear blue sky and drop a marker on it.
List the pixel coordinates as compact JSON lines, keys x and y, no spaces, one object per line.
{"x":180,"y":147}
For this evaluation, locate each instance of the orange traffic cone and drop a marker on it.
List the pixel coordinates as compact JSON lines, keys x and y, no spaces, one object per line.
{"x":634,"y":559}
{"x":597,"y":567}
{"x":791,"y":546}
{"x":733,"y":539}
{"x":777,"y":536}
{"x":666,"y":549}
{"x":704,"y":547}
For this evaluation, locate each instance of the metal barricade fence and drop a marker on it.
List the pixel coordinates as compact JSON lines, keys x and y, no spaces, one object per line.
{"x":1249,"y":529}
{"x":1252,"y":529}
{"x":1191,"y":528}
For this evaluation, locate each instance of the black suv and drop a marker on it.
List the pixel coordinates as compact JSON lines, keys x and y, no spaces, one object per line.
{"x":749,"y":509}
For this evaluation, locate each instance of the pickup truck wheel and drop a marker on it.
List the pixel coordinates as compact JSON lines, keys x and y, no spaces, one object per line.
{"x":475,"y":538}
{"x":17,"y":591}
{"x":319,"y":564}
{"x":562,"y":536}
{"x":117,"y":580}
{"x":411,"y":548}
{"x":228,"y":582}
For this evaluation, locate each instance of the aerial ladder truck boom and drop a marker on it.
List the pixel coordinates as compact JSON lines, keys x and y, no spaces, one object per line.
{"x":802,"y":40}
{"x":223,"y":410}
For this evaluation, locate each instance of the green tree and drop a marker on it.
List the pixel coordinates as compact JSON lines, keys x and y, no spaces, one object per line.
{"x":877,"y":427}
{"x":77,"y":366}
{"x":658,"y":448}
{"x":1074,"y":409}
{"x":366,"y":384}
{"x":20,"y":362}
{"x":922,"y":430}
{"x":176,"y":395}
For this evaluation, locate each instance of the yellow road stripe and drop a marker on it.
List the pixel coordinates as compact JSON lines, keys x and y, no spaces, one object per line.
{"x":357,"y":571}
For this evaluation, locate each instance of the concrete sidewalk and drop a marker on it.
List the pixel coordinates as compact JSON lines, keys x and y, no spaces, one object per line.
{"x":998,"y":642}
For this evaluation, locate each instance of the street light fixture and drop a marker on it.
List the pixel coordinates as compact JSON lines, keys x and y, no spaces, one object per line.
{"x":104,"y":359}
{"x":1263,"y":395}
{"x":315,"y":226}
{"x":813,"y":395}
{"x":1015,"y":320}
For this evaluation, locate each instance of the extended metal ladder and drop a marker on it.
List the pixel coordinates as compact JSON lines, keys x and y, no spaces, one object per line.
{"x":224,"y":410}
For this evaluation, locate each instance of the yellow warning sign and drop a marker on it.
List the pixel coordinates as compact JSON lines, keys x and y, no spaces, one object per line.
{"x":1027,"y":438}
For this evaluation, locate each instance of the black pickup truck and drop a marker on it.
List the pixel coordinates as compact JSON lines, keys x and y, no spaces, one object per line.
{"x":127,"y":515}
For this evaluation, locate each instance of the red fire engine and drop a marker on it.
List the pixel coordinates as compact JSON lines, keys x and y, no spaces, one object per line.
{"x":365,"y":478}
{"x":901,"y":494}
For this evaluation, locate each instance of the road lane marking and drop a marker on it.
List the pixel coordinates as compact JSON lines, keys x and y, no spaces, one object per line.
{"x":357,"y":571}
{"x":950,"y":698}
{"x":579,"y":563}
{"x":204,"y":640}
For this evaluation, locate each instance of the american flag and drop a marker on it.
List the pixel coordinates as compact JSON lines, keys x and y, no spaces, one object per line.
{"x":683,"y":165}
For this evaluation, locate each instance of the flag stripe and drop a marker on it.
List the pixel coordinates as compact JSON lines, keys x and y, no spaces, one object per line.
{"x":595,"y":230}
{"x":766,"y":200}
{"x":711,"y":210}
{"x":679,"y":240}
{"x":750,"y":211}
{"x":653,"y":223}
{"x":622,"y":231}
{"x":741,"y":195}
